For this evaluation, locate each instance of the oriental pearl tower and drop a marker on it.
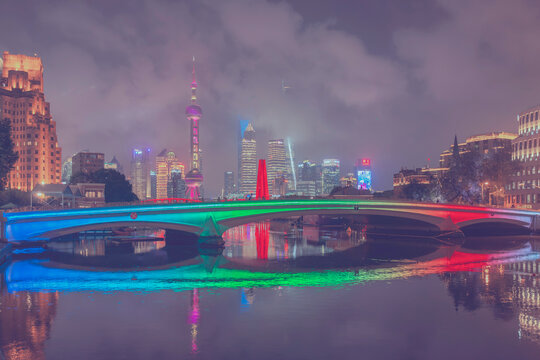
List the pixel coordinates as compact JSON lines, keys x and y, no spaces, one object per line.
{"x":194,"y":177}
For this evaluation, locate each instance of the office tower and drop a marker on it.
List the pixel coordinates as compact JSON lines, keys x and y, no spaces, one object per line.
{"x":194,"y":177}
{"x":22,"y":102}
{"x":277,"y":162}
{"x":292,"y":176}
{"x":242,"y":125}
{"x":308,"y":171}
{"x":153,"y":185}
{"x":363,"y":174}
{"x":166,"y":163}
{"x":140,"y":172}
{"x":228,"y":183}
{"x":87,"y":162}
{"x":176,"y":186}
{"x":330,"y":175}
{"x":306,"y":188}
{"x":248,"y":163}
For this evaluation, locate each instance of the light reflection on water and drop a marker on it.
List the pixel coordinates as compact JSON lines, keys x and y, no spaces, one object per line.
{"x":312,"y":293}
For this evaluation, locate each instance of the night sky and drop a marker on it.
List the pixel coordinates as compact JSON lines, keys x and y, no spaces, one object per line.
{"x":392,"y":80}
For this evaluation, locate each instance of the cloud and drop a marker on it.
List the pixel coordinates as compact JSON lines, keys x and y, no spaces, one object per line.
{"x":117,"y":75}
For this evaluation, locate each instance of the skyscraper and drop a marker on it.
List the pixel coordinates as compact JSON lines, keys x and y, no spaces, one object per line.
{"x":309,"y":172}
{"x":228,"y":183}
{"x":248,"y":162}
{"x":194,"y":178}
{"x":292,"y":177}
{"x":330,"y":175}
{"x":22,"y":102}
{"x":140,"y":172}
{"x":176,"y":186}
{"x":153,"y":184}
{"x":277,"y":162}
{"x":166,"y":164}
{"x":242,"y":125}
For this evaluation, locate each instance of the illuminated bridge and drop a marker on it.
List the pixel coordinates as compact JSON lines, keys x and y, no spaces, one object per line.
{"x":210,"y":220}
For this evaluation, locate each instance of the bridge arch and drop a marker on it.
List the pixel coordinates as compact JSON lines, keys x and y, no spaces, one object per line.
{"x":494,"y":226}
{"x":443,"y":224}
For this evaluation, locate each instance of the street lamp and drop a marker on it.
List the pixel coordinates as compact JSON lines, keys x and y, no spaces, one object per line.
{"x":484,"y":183}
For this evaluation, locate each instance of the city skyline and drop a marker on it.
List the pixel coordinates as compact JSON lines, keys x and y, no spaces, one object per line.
{"x":386,"y":77}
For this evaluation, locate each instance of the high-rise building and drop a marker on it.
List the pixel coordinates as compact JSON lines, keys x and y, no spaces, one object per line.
{"x":153,"y":184}
{"x":363,"y":174}
{"x":277,"y":162}
{"x":194,"y":177}
{"x":140,"y":172}
{"x":176,"y":186}
{"x":330,"y":175}
{"x":248,"y":163}
{"x":522,"y":190}
{"x":228,"y":183}
{"x":87,"y":162}
{"x":292,"y":177}
{"x":166,"y":164}
{"x":242,"y":125}
{"x":22,"y":102}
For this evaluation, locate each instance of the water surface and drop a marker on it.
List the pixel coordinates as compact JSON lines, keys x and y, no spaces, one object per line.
{"x":274,"y":292}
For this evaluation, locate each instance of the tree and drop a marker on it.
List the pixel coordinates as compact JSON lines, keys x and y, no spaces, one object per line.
{"x":499,"y":167}
{"x":460,"y":182}
{"x":117,"y":188}
{"x":8,"y":157}
{"x":417,"y":191}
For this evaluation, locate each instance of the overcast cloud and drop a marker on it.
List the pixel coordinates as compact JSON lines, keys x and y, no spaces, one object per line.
{"x":392,"y":80}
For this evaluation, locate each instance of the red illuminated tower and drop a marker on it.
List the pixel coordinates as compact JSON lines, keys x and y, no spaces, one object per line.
{"x":194,"y":177}
{"x":262,"y":181}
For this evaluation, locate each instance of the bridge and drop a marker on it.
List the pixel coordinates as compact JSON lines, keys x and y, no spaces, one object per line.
{"x":209,"y":220}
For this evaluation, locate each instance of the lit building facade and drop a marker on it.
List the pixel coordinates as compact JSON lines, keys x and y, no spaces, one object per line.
{"x":22,"y":102}
{"x":248,"y":163}
{"x":176,"y":186}
{"x":140,"y":172}
{"x":484,"y":144}
{"x":363,"y":174}
{"x":292,"y":177}
{"x":242,"y":126}
{"x":330,"y":175}
{"x":348,"y":181}
{"x":166,"y":164}
{"x":277,"y":163}
{"x":153,"y":184}
{"x":87,"y":162}
{"x":194,"y":177}
{"x":523,"y":188}
{"x":228,"y":183}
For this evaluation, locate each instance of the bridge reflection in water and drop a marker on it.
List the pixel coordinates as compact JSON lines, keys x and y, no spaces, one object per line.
{"x":254,"y":256}
{"x":257,"y":256}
